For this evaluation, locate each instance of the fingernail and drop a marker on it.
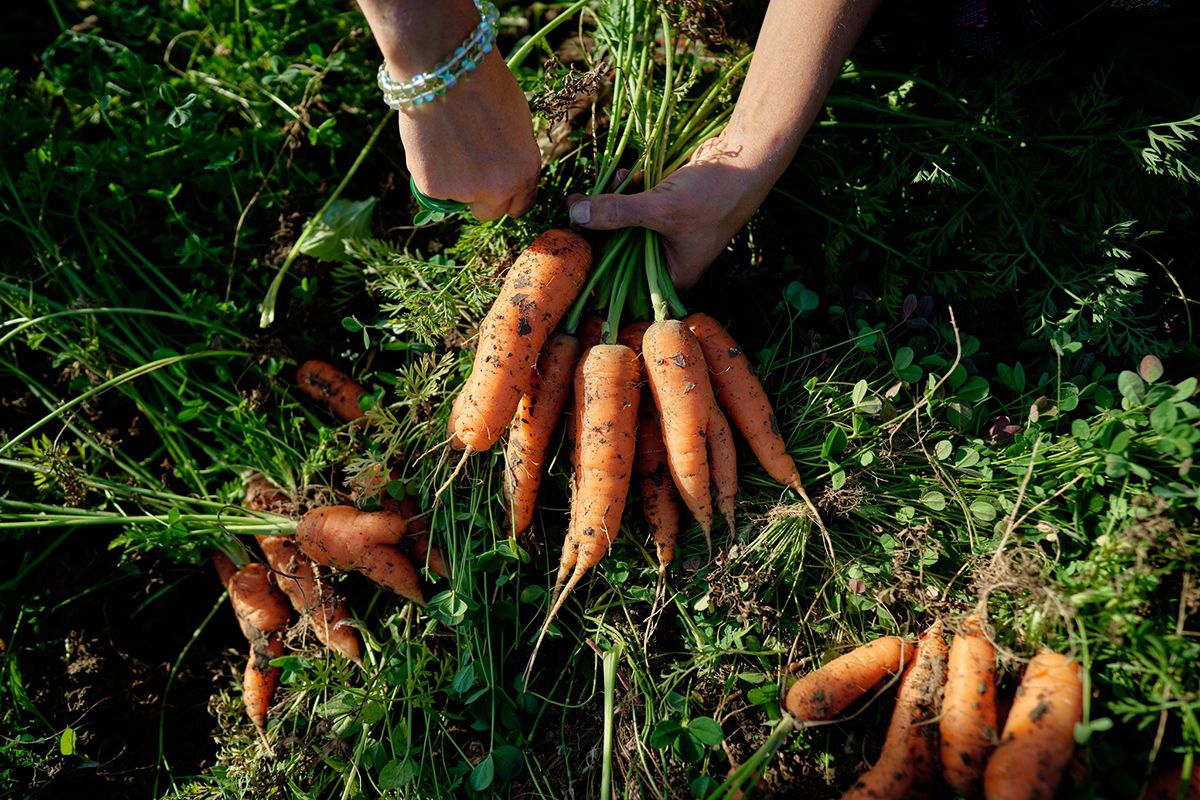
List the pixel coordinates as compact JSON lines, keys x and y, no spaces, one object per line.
{"x":581,"y":212}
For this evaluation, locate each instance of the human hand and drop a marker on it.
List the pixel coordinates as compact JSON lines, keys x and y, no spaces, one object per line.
{"x":475,"y":144}
{"x":697,"y":209}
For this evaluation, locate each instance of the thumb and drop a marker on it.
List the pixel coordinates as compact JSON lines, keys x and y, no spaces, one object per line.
{"x":606,"y":212}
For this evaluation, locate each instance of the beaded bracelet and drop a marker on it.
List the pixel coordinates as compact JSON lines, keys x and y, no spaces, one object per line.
{"x":428,"y":86}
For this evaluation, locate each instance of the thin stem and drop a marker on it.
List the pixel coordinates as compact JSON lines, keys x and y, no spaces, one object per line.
{"x":611,"y":659}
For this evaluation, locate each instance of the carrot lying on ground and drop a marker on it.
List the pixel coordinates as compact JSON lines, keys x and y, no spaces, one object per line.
{"x":323,"y":611}
{"x":740,"y":394}
{"x":296,"y":576}
{"x":263,"y":614}
{"x":907,"y":765}
{"x":539,"y":288}
{"x":331,"y":387}
{"x":968,"y":726}
{"x":1039,"y":735}
{"x":342,"y":537}
{"x":824,"y":693}
{"x":536,"y":419}
{"x":608,"y":432}
{"x":680,"y":385}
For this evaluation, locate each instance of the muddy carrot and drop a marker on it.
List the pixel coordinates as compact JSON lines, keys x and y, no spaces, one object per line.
{"x":342,"y":537}
{"x":908,"y":763}
{"x":608,"y":434}
{"x":722,"y":462}
{"x":536,"y":419}
{"x":331,"y":387}
{"x":680,"y":384}
{"x":537,"y":291}
{"x":824,"y":693}
{"x":1039,"y":735}
{"x":263,"y":614}
{"x":324,"y":612}
{"x":968,"y":726}
{"x":660,"y":500}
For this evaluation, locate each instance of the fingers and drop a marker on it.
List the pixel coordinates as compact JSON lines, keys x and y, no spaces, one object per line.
{"x":606,"y":212}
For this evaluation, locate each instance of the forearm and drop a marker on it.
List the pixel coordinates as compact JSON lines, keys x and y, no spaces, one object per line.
{"x":416,"y":35}
{"x":799,"y":53}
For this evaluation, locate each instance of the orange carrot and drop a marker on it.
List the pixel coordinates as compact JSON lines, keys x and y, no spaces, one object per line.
{"x":226,"y":569}
{"x":262,"y":613}
{"x":968,"y":726}
{"x":539,"y":287}
{"x":660,"y":500}
{"x":331,"y":387}
{"x":342,"y":537}
{"x":260,"y":679}
{"x":262,"y":495}
{"x":907,"y":765}
{"x":722,"y":462}
{"x":1039,"y":735}
{"x":608,"y":433}
{"x":323,"y":611}
{"x":742,"y":397}
{"x":823,"y":694}
{"x":679,"y":382}
{"x":537,"y":417}
{"x":259,"y":606}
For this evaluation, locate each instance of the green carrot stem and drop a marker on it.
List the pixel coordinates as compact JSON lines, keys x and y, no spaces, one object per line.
{"x":611,"y":251}
{"x":697,"y":114}
{"x":657,"y":301}
{"x":525,"y":47}
{"x":620,"y":290}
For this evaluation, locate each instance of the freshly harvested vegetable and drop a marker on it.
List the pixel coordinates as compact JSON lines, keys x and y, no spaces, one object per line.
{"x":342,"y":537}
{"x":260,"y":679}
{"x":722,"y":462}
{"x":907,"y":765}
{"x":263,"y":614}
{"x":968,"y":726}
{"x":679,"y":381}
{"x":660,"y":500}
{"x":740,"y":394}
{"x":332,"y":388}
{"x":323,"y":611}
{"x":537,"y":291}
{"x":823,"y":694}
{"x":1039,"y":735}
{"x":537,"y":417}
{"x":608,"y":433}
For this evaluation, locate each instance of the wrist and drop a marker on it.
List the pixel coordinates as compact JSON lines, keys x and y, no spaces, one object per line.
{"x":415,"y":35}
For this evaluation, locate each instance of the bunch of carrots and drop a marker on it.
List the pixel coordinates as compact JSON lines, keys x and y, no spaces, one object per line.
{"x":947,"y":715}
{"x":382,"y":545}
{"x":693,"y":372}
